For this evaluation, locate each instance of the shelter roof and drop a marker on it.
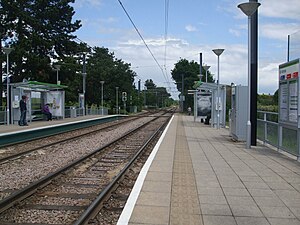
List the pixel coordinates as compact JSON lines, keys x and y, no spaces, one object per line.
{"x":38,"y":86}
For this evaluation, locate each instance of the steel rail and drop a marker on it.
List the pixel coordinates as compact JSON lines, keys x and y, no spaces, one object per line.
{"x":95,"y":206}
{"x":23,"y":193}
{"x":14,"y":156}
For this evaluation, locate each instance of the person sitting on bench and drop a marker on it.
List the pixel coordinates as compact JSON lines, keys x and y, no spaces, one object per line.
{"x":47,"y":112}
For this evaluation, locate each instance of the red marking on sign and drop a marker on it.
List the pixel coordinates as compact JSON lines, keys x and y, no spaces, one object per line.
{"x":295,"y":74}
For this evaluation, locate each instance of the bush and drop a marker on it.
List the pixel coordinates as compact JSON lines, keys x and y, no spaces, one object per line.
{"x":268,"y":108}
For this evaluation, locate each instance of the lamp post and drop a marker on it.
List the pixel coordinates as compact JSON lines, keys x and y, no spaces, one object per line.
{"x":117,"y":98}
{"x":182,"y":91}
{"x":218,"y":52}
{"x":7,"y":51}
{"x":206,"y":67}
{"x":57,"y":68}
{"x":249,"y":8}
{"x":83,"y":81}
{"x":102,"y":82}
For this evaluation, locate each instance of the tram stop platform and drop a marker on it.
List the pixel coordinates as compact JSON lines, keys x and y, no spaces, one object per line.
{"x":197,"y":175}
{"x":38,"y":124}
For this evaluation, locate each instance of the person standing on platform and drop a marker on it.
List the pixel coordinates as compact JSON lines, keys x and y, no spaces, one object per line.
{"x":47,"y":112}
{"x":189,"y":110}
{"x":23,"y":109}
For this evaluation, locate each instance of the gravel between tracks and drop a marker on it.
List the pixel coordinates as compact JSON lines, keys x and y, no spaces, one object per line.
{"x":21,"y":172}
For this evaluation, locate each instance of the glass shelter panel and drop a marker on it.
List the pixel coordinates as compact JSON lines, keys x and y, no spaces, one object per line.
{"x":289,"y":140}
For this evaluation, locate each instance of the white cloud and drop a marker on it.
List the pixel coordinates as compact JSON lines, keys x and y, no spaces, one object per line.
{"x":92,"y":3}
{"x":278,"y":31}
{"x":233,"y":62}
{"x":268,"y":78}
{"x":190,"y":28}
{"x":277,"y":9}
{"x":288,"y":9}
{"x":235,"y":32}
{"x":109,"y":20}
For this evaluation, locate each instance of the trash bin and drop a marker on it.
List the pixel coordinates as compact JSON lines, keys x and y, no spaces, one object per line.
{"x":73,"y":112}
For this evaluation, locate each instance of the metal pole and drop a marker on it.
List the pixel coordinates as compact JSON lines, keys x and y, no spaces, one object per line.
{"x":117,"y":103}
{"x":218,"y":95}
{"x":288,"y":49}
{"x":195,"y":105}
{"x":124,"y":108}
{"x":182,"y":87}
{"x":102,"y":82}
{"x":248,"y":141}
{"x":56,"y":76}
{"x":200,"y":69}
{"x":7,"y":88}
{"x":83,"y":82}
{"x":253,"y":74}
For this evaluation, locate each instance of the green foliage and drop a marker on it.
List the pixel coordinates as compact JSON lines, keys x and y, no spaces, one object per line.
{"x":275,"y":97}
{"x":268,"y":108}
{"x":40,"y":31}
{"x":265,"y":99}
{"x":185,"y":74}
{"x":267,"y":102}
{"x":149,"y":84}
{"x":102,"y":65}
{"x":155,"y":97}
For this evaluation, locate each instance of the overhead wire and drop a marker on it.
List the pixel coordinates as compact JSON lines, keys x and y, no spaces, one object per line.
{"x":166,"y":35}
{"x":135,"y":27}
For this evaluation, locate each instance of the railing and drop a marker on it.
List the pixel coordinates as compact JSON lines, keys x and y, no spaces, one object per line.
{"x":269,"y":131}
{"x":71,"y":111}
{"x":3,"y":115}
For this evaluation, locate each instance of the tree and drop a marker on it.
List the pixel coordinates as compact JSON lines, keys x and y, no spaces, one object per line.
{"x":185,"y":74}
{"x":42,"y":31}
{"x":275,"y":97}
{"x":149,"y":84}
{"x":102,"y":65}
{"x":155,"y":96}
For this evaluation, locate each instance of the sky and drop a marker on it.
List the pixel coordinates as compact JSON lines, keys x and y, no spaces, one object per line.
{"x":193,"y":26}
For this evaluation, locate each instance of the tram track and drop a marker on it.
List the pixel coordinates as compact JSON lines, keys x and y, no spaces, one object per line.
{"x":95,"y":176}
{"x":15,"y":151}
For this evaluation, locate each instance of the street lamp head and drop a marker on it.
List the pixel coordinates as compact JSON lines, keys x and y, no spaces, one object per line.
{"x":218,"y":51}
{"x":57,"y":67}
{"x":101,"y":82}
{"x":7,"y":50}
{"x":206,"y":67}
{"x":249,"y":8}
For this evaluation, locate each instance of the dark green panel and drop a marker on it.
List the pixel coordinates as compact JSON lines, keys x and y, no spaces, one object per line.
{"x":48,"y":131}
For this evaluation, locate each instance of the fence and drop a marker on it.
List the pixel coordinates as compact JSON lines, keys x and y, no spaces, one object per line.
{"x":268,"y":131}
{"x":3,"y":115}
{"x":70,"y":112}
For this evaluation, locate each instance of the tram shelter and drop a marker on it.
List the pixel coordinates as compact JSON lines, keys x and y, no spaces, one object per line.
{"x":38,"y":94}
{"x":206,"y":104}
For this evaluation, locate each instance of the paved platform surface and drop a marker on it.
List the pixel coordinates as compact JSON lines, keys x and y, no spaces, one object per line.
{"x":35,"y":124}
{"x":200,"y":176}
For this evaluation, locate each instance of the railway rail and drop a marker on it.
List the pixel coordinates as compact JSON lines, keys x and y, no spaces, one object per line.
{"x":17,"y":150}
{"x":70,"y":194}
{"x":22,"y":148}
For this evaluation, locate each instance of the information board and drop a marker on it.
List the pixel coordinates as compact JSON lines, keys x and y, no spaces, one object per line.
{"x":288,"y":92}
{"x":204,"y":104}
